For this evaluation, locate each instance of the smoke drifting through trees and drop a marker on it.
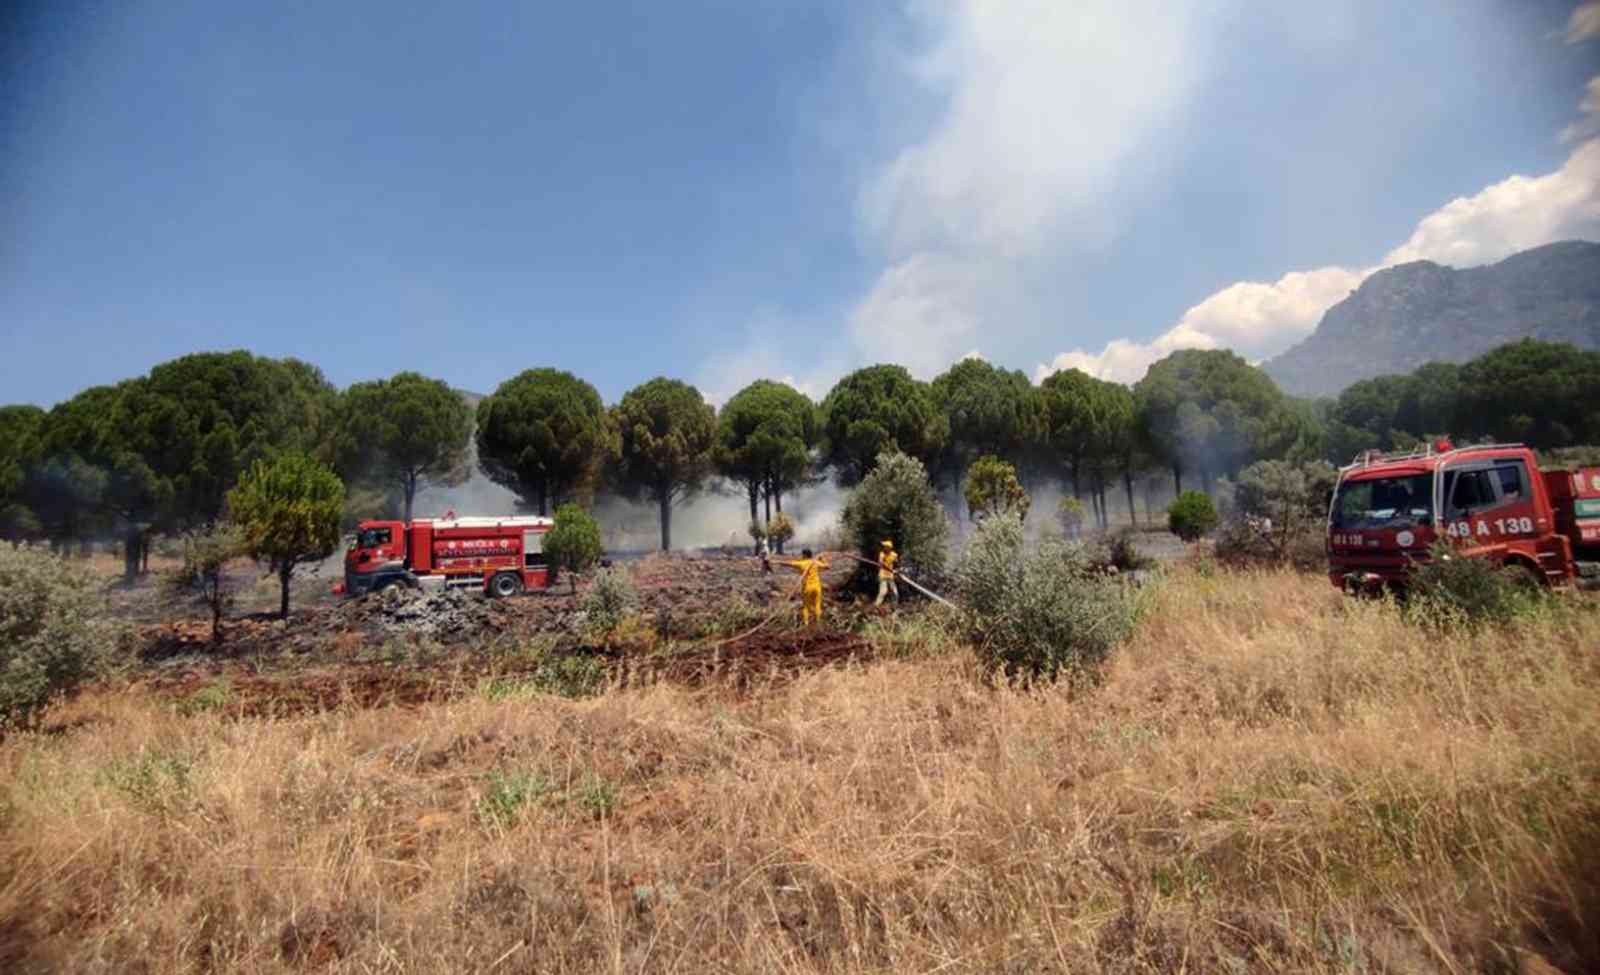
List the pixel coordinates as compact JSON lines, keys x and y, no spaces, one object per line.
{"x":158,"y":454}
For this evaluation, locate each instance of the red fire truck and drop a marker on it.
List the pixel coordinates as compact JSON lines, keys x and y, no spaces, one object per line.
{"x":1489,"y":502}
{"x":501,"y":556}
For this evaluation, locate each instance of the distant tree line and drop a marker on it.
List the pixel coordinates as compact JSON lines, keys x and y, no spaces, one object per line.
{"x":161,"y":453}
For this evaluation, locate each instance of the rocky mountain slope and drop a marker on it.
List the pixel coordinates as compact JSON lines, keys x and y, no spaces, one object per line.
{"x":1404,"y":316}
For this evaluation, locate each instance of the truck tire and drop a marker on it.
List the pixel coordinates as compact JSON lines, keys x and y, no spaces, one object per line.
{"x":504,"y":584}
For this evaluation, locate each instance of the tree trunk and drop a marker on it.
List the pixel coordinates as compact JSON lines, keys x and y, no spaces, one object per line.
{"x":1127,"y":485}
{"x":216,"y":614}
{"x":542,"y":496}
{"x":664,"y":498}
{"x":1177,"y":480}
{"x":284,"y":572}
{"x":409,"y":485}
{"x":144,"y":555}
{"x":130,"y":555}
{"x":766,"y":495}
{"x":777,"y":502}
{"x":752,"y":489}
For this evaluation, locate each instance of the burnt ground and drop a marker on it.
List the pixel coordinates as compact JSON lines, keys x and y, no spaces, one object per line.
{"x":703,"y":620}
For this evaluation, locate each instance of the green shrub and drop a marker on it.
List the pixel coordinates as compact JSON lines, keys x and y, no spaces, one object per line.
{"x":780,"y":531}
{"x":573,"y":543}
{"x":52,"y":634}
{"x":1451,"y":590}
{"x":502,"y":802}
{"x":992,"y":488}
{"x":570,"y":675}
{"x":607,"y":601}
{"x":1191,"y":515}
{"x":895,"y":501}
{"x":1039,"y":614}
{"x":1276,"y":513}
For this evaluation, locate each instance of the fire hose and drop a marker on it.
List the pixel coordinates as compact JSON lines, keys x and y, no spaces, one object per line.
{"x":907,"y":580}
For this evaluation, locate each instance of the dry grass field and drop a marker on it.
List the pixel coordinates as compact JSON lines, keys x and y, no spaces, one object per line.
{"x":1267,"y":778}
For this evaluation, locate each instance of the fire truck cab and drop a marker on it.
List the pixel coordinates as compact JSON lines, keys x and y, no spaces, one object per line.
{"x":1489,"y":502}
{"x":502,"y":556}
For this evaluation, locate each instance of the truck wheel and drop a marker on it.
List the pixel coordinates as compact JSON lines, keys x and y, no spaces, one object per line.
{"x":505,"y":584}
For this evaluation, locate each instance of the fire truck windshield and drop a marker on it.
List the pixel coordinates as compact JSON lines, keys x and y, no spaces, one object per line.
{"x":1384,"y":502}
{"x":372,"y":537}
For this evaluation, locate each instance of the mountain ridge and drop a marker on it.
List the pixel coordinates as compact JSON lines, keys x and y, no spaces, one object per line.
{"x":1406,"y":315}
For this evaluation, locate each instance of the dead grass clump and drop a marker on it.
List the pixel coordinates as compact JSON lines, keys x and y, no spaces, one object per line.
{"x":1267,"y":778}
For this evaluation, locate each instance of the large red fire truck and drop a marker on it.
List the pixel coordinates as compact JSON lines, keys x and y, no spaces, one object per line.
{"x":501,"y":556}
{"x":1490,"y":502}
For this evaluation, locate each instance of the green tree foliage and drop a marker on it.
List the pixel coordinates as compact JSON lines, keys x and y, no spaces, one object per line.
{"x":573,"y":543}
{"x":21,"y":432}
{"x":1540,"y":393}
{"x":203,"y":575}
{"x":895,"y":501}
{"x":1191,"y":515}
{"x":1545,"y":394}
{"x":992,"y":489}
{"x":162,"y":451}
{"x":989,"y":411}
{"x":667,"y":432}
{"x":766,"y":436}
{"x":409,"y":431}
{"x":287,"y":510}
{"x":1071,"y":406}
{"x":1040,"y":615}
{"x":1096,"y":431}
{"x":876,"y":409}
{"x":53,"y":633}
{"x":545,"y":435}
{"x":1210,"y":412}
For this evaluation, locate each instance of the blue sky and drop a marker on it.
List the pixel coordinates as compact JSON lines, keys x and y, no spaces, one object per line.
{"x":727,"y":189}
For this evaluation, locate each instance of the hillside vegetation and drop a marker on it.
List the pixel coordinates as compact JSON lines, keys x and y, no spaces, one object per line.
{"x":1267,"y":777}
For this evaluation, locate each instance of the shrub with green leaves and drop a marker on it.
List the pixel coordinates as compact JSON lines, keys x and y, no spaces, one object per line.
{"x":1276,"y":512}
{"x":607,"y":600}
{"x":896,"y":502}
{"x":1039,"y":614}
{"x":992,"y":488}
{"x":204,"y":573}
{"x":1069,"y":511}
{"x":1451,"y":590}
{"x":1191,"y":515}
{"x":573,"y":543}
{"x":52,"y":634}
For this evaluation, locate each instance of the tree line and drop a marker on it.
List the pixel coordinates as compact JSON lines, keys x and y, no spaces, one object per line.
{"x":160,"y":453}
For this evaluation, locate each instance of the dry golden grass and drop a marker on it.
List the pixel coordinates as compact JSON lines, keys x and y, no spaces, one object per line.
{"x":1268,"y":779}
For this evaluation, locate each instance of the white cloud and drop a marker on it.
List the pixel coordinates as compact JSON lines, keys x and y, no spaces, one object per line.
{"x":1585,"y":23}
{"x":1254,"y":318}
{"x":1259,"y":320}
{"x":1044,"y":104}
{"x":1512,"y":215}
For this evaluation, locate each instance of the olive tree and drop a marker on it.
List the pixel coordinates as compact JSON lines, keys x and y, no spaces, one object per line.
{"x":895,"y":501}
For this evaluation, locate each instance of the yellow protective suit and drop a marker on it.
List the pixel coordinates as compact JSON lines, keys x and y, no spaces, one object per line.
{"x":888,"y":558}
{"x":810,"y":587}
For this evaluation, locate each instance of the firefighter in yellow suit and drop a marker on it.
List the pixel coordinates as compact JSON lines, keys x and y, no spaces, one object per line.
{"x":887,"y":560}
{"x":810,"y":569}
